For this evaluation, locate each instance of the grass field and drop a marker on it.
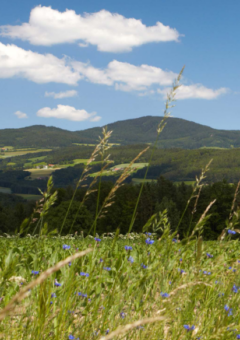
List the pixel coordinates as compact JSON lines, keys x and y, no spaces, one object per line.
{"x":118,"y":168}
{"x":22,"y":152}
{"x":30,"y":197}
{"x":35,"y":173}
{"x":140,"y":180}
{"x":5,"y":190}
{"x":176,"y":292}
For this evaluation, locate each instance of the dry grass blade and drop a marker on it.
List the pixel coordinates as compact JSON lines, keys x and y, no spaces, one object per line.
{"x":128,"y":327}
{"x":186,"y":285}
{"x":24,"y":292}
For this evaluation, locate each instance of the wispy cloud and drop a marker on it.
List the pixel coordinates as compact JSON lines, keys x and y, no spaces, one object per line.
{"x":69,"y":113}
{"x":196,"y":91}
{"x":21,"y":115}
{"x":110,"y":32}
{"x":59,"y":95}
{"x":39,"y":68}
{"x":125,"y":76}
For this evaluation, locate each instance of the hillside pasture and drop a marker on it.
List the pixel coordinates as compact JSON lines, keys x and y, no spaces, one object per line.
{"x":21,"y":152}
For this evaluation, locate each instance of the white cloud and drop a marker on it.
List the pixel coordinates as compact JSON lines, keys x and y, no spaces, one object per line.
{"x":195,"y":91}
{"x":69,"y":113}
{"x":110,"y":32}
{"x":66,"y":94}
{"x":39,"y":68}
{"x":20,"y":114}
{"x":125,"y":76}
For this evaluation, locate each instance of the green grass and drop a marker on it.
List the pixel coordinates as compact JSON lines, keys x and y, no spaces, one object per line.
{"x":125,"y":293}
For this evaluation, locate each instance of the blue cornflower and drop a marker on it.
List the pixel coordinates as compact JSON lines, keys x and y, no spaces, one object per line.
{"x":206,"y":273}
{"x":143,"y":266}
{"x":174,"y":240}
{"x":122,"y":314}
{"x":149,"y":241}
{"x":235,"y":288}
{"x":84,"y":295}
{"x":209,"y":255}
{"x":71,"y":337}
{"x":170,"y":282}
{"x":232,"y":232}
{"x":107,"y":331}
{"x":238,"y":336}
{"x":164,"y":295}
{"x":148,"y":234}
{"x":35,"y":272}
{"x":84,"y":274}
{"x":229,"y":267}
{"x":97,"y":239}
{"x":182,"y":271}
{"x":130,"y":259}
{"x":57,"y":284}
{"x":229,"y":310}
{"x":66,"y":247}
{"x":53,"y":295}
{"x":101,"y":260}
{"x":188,"y":328}
{"x":128,"y":247}
{"x":107,"y":268}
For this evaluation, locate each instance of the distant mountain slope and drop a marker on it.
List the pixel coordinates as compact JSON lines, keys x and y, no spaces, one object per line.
{"x":177,"y":133}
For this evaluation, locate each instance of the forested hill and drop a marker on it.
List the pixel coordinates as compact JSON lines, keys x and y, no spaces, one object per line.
{"x":178,"y":133}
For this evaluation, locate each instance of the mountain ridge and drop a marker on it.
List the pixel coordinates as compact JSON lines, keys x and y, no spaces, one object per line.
{"x":177,"y":133}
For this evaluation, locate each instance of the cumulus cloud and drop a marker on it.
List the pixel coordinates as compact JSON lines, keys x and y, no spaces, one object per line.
{"x":195,"y":91}
{"x":69,"y":113}
{"x":110,"y":32}
{"x":59,"y":95}
{"x":125,"y":76}
{"x":20,"y":114}
{"x":39,"y":68}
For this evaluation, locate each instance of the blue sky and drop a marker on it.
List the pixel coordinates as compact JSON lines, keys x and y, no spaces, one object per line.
{"x":74,"y":70}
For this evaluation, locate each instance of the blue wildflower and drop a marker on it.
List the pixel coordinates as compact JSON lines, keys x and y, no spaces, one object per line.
{"x":128,"y":247}
{"x":206,"y":273}
{"x":53,"y":295}
{"x":101,"y":260}
{"x":122,"y":315}
{"x":69,"y":263}
{"x":57,"y":284}
{"x":130,"y":259}
{"x":107,"y":331}
{"x":188,"y":328}
{"x":66,"y":247}
{"x":71,"y":337}
{"x":232,"y":232}
{"x":143,"y":266}
{"x":84,"y":274}
{"x":209,"y":255}
{"x":97,"y":239}
{"x":107,"y":268}
{"x":35,"y":272}
{"x":164,"y":295}
{"x":235,"y":289}
{"x":229,"y":310}
{"x":148,"y":234}
{"x":174,"y":240}
{"x":149,"y":241}
{"x":238,"y":336}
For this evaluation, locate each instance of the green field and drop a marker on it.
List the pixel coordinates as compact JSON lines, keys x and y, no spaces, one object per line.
{"x":140,"y":180}
{"x":30,"y":197}
{"x":172,"y":291}
{"x":119,"y":168}
{"x":35,"y":173}
{"x":5,"y":190}
{"x":21,"y":152}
